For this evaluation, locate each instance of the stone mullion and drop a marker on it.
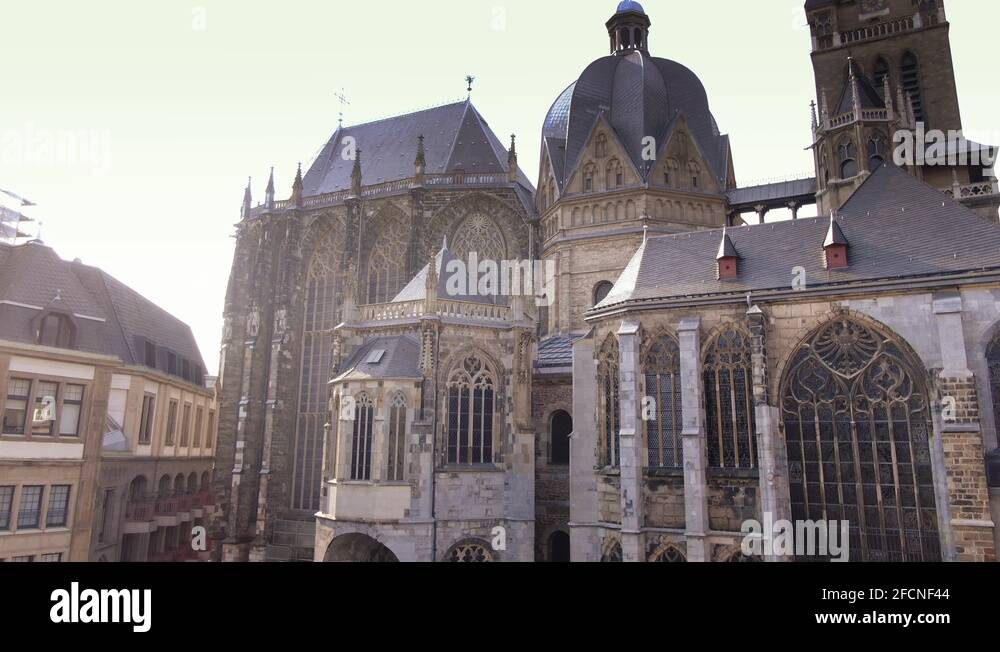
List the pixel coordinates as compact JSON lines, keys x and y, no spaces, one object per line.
{"x":771,"y":449}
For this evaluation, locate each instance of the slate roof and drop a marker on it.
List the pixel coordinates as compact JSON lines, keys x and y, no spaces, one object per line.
{"x":640,"y":96}
{"x":401,"y":359}
{"x":869,"y":96}
{"x":110,"y":317}
{"x":897,"y":227}
{"x":455,"y":136}
{"x":772,"y":192}
{"x":555,"y":352}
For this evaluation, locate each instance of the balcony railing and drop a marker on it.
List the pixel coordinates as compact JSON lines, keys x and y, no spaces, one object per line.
{"x":972,"y":190}
{"x":139,"y":509}
{"x":166,"y":506}
{"x":445,"y":308}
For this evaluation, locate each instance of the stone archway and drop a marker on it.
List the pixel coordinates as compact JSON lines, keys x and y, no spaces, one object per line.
{"x":358,"y":548}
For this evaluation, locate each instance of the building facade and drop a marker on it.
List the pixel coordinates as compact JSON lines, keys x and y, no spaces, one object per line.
{"x":634,"y":410}
{"x":93,"y":375}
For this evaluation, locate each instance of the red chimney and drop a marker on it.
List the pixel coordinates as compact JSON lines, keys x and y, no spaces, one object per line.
{"x":835,"y":247}
{"x":728,"y":258}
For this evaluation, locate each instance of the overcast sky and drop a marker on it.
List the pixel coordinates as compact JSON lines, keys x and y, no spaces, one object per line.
{"x":180,"y":101}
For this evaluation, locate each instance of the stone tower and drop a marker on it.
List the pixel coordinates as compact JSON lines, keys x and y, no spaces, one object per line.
{"x":881,"y":67}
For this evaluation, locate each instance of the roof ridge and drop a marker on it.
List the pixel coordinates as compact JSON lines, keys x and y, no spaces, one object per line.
{"x":404,"y":114}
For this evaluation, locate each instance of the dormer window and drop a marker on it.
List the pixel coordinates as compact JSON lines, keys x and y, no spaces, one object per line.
{"x":57,"y":330}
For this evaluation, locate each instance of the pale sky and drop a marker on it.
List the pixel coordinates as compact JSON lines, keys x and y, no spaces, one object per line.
{"x":180,"y":101}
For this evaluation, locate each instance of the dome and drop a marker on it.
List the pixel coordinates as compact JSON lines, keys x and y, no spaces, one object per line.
{"x":630,"y":5}
{"x":640,"y":96}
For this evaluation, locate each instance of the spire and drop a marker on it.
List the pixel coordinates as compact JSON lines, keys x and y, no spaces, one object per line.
{"x":512,"y":159}
{"x":855,"y":88}
{"x":421,"y":160}
{"x":815,"y":122}
{"x":444,"y":245}
{"x":269,"y":192}
{"x":356,"y":174}
{"x":247,"y":200}
{"x":297,"y":188}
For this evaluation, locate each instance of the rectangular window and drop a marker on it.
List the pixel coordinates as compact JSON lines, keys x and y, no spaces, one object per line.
{"x":186,"y":425}
{"x":199,"y":420}
{"x":72,"y":406}
{"x":210,"y":433}
{"x":171,"y":423}
{"x":6,"y":503}
{"x":51,"y":557}
{"x":58,"y":511}
{"x":106,"y":502}
{"x":26,"y":558}
{"x":43,"y":417}
{"x":16,"y":410}
{"x":30,"y":511}
{"x":146,"y":423}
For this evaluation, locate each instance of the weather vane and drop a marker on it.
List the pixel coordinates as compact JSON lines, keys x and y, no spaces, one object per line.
{"x":342,"y":98}
{"x":469,"y":79}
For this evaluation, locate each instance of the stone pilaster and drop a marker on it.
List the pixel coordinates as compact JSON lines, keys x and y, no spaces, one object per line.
{"x":631,"y":447}
{"x":772,"y":453}
{"x":971,"y":522}
{"x":693,"y":433}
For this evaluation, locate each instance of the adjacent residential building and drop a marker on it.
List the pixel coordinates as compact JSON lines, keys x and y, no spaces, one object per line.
{"x":108,"y":425}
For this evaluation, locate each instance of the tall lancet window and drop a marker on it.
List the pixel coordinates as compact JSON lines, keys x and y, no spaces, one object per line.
{"x":661,"y":370}
{"x":361,"y":440}
{"x":857,"y":426}
{"x":387,"y":261}
{"x":321,"y":314}
{"x":608,"y":403}
{"x":729,"y":406}
{"x":472,"y":426}
{"x":480,"y":234}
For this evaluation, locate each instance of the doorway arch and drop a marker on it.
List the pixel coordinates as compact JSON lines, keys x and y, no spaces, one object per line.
{"x":559,"y":547}
{"x":359,"y":548}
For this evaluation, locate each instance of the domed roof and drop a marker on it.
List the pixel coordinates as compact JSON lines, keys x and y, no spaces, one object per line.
{"x":640,"y":96}
{"x":630,"y":5}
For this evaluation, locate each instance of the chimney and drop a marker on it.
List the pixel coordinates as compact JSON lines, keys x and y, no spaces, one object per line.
{"x":835,"y":247}
{"x":727,"y":259}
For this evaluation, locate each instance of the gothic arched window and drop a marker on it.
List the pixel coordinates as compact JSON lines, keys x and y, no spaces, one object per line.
{"x":589,"y":171}
{"x":321,"y":314}
{"x":877,"y":150}
{"x":387,"y":261}
{"x":857,"y":428}
{"x":608,"y":405}
{"x":601,"y":149}
{"x":561,"y":427}
{"x":848,"y":153}
{"x":602,"y":290}
{"x":397,"y":439}
{"x":910,"y":79}
{"x":881,"y":73}
{"x":661,"y":370}
{"x":472,"y":414}
{"x":472,"y":551}
{"x":669,"y":555}
{"x":729,"y":405}
{"x":361,"y":440}
{"x":614,"y":175}
{"x":480,"y":234}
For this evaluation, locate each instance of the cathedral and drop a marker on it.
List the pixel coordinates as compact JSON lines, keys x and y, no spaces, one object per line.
{"x":691,"y":367}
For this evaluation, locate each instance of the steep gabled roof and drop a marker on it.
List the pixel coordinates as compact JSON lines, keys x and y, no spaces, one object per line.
{"x":898,"y":228}
{"x":455,"y":136}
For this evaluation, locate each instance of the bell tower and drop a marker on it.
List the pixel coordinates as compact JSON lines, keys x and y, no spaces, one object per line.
{"x":629,"y":28}
{"x":883,"y":70}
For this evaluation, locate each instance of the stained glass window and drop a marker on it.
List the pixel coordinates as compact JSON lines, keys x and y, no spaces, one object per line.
{"x":471,"y":414}
{"x":729,"y":406}
{"x":361,"y":443}
{"x":661,"y":371}
{"x":609,"y":407}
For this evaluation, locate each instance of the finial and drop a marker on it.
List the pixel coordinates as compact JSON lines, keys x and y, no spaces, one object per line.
{"x":645,"y":233}
{"x":444,"y":245}
{"x":342,"y":98}
{"x":469,"y":79}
